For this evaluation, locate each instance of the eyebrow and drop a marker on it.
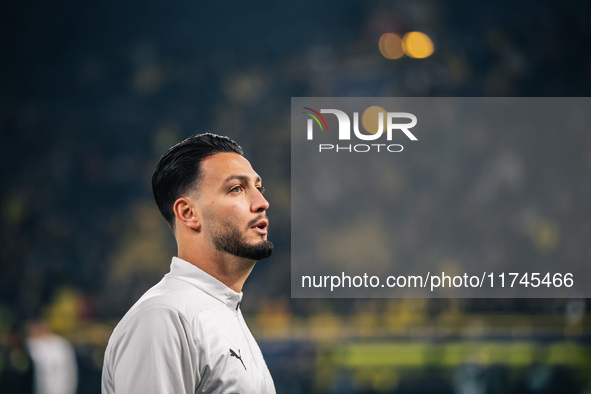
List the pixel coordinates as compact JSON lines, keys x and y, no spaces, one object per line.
{"x":242,"y":178}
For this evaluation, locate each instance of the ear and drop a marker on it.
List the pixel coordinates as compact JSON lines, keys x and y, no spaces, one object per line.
{"x":185,"y":210}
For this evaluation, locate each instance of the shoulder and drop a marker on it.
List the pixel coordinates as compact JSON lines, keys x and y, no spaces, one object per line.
{"x":166,"y":308}
{"x":172,"y":294}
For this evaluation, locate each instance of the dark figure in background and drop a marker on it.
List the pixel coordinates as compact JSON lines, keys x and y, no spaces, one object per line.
{"x":16,"y":367}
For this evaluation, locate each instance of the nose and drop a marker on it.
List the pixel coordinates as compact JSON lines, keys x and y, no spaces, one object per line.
{"x":259,"y":203}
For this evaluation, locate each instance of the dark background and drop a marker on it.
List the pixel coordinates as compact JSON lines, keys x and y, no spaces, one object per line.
{"x":91,"y":94}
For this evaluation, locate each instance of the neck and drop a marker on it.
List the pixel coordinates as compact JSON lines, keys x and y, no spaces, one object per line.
{"x":228,"y":269}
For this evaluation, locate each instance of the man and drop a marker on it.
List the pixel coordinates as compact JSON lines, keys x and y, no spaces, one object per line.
{"x":54,"y":360}
{"x":187,"y":334}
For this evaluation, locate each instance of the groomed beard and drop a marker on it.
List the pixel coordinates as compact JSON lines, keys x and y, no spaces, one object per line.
{"x":230,"y":240}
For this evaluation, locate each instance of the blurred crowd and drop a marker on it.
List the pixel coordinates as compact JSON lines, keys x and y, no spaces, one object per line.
{"x":92,"y":94}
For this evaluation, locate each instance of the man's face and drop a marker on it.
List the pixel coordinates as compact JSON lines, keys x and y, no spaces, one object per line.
{"x":234,"y":215}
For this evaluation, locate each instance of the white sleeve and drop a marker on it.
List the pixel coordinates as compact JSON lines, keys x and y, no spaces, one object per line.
{"x":153,"y":353}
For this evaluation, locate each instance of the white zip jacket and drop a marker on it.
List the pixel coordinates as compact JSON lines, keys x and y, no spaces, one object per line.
{"x":185,"y":335}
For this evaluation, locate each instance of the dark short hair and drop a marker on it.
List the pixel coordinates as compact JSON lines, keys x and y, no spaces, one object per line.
{"x":179,"y":169}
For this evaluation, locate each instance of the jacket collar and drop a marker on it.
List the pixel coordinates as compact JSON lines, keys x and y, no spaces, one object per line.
{"x":187,"y":272}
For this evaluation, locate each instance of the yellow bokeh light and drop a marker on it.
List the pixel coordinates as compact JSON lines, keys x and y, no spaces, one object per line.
{"x":417,"y":45}
{"x":370,"y":119}
{"x":391,"y":46}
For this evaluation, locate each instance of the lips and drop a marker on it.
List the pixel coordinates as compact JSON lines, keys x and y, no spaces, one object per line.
{"x":261,"y":226}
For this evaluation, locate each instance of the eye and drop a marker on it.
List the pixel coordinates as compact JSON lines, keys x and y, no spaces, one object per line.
{"x":261,"y":189}
{"x":236,"y":189}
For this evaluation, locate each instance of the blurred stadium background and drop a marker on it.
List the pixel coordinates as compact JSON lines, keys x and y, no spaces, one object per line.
{"x":92,"y":93}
